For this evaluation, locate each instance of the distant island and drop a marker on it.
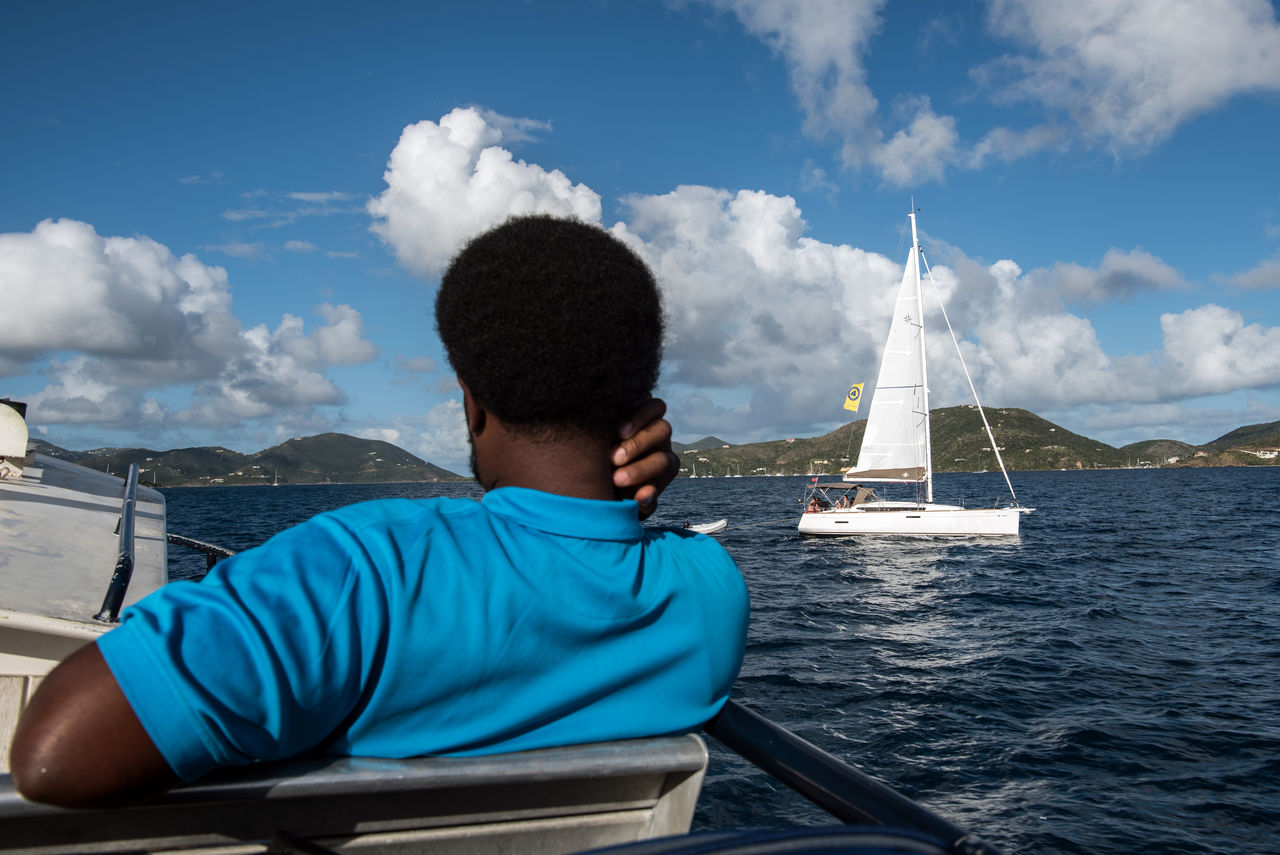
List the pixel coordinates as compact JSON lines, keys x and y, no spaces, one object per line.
{"x":960,"y":444}
{"x":330,"y":458}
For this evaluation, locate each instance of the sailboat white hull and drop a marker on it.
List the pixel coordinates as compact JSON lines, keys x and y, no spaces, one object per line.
{"x":908,"y":518}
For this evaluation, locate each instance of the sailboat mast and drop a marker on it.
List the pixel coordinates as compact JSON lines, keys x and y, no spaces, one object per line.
{"x":924,"y":366}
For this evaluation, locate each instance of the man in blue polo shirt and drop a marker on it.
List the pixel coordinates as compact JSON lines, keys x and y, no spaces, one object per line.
{"x":545,"y":614}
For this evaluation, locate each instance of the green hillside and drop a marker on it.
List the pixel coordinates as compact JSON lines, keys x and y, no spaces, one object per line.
{"x":1157,"y":452}
{"x":1249,"y":438}
{"x":338,"y":458}
{"x":1026,"y":441}
{"x":48,"y":448}
{"x":1244,"y":446}
{"x":960,"y":444}
{"x":170,"y":468}
{"x":827,"y":453}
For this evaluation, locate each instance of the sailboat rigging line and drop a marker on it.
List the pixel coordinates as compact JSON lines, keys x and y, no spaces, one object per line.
{"x":982,"y":413}
{"x":764,"y":522}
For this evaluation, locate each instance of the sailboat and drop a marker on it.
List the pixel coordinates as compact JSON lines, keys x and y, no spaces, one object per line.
{"x":896,"y":445}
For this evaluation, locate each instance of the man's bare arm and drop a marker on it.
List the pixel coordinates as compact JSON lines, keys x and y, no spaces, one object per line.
{"x":79,"y":744}
{"x":644,"y":459}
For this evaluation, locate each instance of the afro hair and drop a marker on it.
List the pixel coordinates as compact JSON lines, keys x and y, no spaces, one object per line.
{"x":552,"y":324}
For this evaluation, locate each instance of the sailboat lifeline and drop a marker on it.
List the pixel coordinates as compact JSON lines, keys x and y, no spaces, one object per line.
{"x":896,"y":446}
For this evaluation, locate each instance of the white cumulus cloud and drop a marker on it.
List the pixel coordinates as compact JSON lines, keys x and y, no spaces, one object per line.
{"x":824,"y":44}
{"x":1128,"y":72}
{"x":1117,"y":74}
{"x":439,"y":437}
{"x":1211,"y":347}
{"x":72,"y":289}
{"x":113,"y":321}
{"x":922,"y":150}
{"x":451,"y":180}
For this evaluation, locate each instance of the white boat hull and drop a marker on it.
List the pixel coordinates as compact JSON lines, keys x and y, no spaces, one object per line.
{"x":903,"y":518}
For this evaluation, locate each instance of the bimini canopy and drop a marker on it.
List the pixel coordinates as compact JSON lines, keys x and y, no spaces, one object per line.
{"x":912,"y":475}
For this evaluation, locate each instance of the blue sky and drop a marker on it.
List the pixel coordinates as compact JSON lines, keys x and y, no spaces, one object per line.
{"x":224,"y":223}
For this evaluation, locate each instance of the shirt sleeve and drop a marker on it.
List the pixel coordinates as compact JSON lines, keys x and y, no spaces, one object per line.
{"x":249,"y":663}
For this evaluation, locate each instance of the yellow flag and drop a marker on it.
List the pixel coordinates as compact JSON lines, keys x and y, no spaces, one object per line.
{"x":854,"y":397}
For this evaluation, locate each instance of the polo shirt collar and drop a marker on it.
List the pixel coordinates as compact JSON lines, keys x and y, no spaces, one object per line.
{"x":564,"y":515}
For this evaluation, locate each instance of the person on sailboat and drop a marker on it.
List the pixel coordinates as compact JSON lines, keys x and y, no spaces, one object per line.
{"x":543,"y":615}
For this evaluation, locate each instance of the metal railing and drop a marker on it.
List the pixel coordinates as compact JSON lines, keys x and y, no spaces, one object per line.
{"x":212,"y":554}
{"x":114,"y":599}
{"x":833,"y":785}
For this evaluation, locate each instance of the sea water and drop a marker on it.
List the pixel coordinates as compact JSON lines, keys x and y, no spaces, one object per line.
{"x":1108,"y":682}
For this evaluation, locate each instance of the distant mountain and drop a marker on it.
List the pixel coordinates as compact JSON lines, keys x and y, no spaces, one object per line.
{"x":1157,"y":452}
{"x":1250,"y":437}
{"x":960,"y":444}
{"x":338,"y":458}
{"x":705,"y":442}
{"x":1026,"y":441}
{"x":48,"y":448}
{"x":330,"y":458}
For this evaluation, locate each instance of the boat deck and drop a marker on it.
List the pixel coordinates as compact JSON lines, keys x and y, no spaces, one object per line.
{"x":59,"y":543}
{"x":58,"y":551}
{"x":545,"y":802}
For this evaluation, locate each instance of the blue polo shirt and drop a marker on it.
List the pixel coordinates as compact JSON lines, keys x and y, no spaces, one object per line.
{"x":406,"y":627}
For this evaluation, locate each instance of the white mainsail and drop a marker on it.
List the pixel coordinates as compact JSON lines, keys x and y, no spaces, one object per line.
{"x":895,"y":446}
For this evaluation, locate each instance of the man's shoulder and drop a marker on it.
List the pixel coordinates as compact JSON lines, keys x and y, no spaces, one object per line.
{"x":685,"y":546}
{"x":678,"y":537}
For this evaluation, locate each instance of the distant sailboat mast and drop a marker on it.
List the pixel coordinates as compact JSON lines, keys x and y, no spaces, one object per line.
{"x":916,"y":252}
